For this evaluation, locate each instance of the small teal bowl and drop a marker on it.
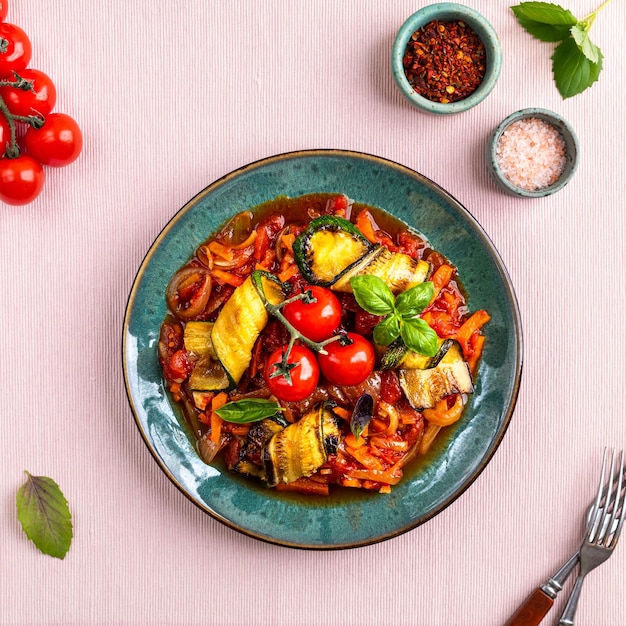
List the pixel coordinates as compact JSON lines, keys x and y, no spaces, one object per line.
{"x":448,"y":12}
{"x":571,"y":153}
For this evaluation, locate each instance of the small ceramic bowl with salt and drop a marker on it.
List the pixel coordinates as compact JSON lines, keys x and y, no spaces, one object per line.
{"x":533,"y":153}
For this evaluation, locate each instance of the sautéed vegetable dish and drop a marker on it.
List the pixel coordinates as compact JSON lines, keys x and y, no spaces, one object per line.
{"x":317,"y":342}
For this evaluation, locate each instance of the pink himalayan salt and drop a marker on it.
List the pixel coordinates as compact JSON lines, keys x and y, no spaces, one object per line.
{"x":531,"y":154}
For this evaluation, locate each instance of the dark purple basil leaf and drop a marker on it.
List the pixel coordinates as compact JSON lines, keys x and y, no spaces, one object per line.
{"x":362,"y":414}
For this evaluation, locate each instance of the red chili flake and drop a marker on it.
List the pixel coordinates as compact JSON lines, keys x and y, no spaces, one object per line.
{"x":444,"y":61}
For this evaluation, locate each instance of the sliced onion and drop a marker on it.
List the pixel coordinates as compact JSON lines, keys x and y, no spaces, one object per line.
{"x":240,"y":259}
{"x":205,"y":256}
{"x":280,"y":250}
{"x":238,"y":229}
{"x":393,"y":414}
{"x":248,"y":242}
{"x":195,"y":279}
{"x":207,"y":449}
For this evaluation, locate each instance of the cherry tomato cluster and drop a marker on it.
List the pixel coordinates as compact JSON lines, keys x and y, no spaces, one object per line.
{"x":27,"y":98}
{"x":346,"y":361}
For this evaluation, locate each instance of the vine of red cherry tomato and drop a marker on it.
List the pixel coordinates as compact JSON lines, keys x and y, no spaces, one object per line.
{"x":347,"y":360}
{"x":31,"y":135}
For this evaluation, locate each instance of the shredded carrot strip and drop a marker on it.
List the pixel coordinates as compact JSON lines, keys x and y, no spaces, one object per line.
{"x":441,"y":278}
{"x":288,"y":273}
{"x":377,"y":425}
{"x":216,"y":421}
{"x":441,"y":415}
{"x":227,"y":277}
{"x":475,"y":322}
{"x":305,"y":485}
{"x":353,"y":442}
{"x":365,"y":224}
{"x":477,"y":343}
{"x":365,"y":458}
{"x":389,"y":477}
{"x":350,"y":482}
{"x":204,"y":418}
{"x":241,"y":430}
{"x":287,"y":241}
{"x":220,"y":250}
{"x":342,"y":413}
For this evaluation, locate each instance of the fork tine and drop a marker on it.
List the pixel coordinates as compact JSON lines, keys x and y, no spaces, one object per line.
{"x":618,"y":507}
{"x":608,"y":505}
{"x":597,"y":511}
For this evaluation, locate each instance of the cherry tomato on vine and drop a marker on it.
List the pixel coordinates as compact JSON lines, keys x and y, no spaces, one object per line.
{"x":41,"y":99}
{"x":18,"y":49}
{"x":303,"y":376}
{"x":21,"y":179}
{"x":57,"y":143}
{"x":318,"y":320}
{"x":348,"y":364}
{"x":4,"y":8}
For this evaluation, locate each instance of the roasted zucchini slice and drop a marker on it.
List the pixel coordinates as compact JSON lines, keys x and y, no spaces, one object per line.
{"x":197,"y":338}
{"x":327,"y":247}
{"x":249,"y":461}
{"x":302,"y":448}
{"x":208,"y":375}
{"x":424,"y":388}
{"x":398,"y":270}
{"x":241,"y":321}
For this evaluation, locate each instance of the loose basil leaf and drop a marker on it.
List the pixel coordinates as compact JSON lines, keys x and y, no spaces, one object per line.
{"x":372,"y":294}
{"x":43,"y":512}
{"x":413,"y":301}
{"x":573,"y":71}
{"x":387,"y":330}
{"x":250,"y":410}
{"x":545,"y":13}
{"x":362,"y":414}
{"x":585,"y":45}
{"x":419,"y":336}
{"x":544,"y":32}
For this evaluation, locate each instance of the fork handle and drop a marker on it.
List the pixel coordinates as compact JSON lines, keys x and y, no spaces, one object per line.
{"x":567,"y":619}
{"x":534,"y":609}
{"x":537,"y":605}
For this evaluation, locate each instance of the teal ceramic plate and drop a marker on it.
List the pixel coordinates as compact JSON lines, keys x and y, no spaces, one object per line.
{"x":342,"y":520}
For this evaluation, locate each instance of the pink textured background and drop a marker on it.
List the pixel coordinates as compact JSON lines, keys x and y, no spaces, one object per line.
{"x":171,"y":96}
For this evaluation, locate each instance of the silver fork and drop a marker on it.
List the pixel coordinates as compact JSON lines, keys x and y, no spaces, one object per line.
{"x":607,"y":519}
{"x":537,"y":605}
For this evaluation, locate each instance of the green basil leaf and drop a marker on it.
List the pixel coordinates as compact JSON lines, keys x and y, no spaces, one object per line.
{"x":43,"y":512}
{"x":573,"y":72}
{"x":545,"y":32}
{"x":585,"y":45}
{"x":362,"y":414}
{"x":419,"y":336}
{"x":387,"y":330}
{"x":413,"y":301}
{"x":544,"y":13}
{"x":372,"y":294}
{"x":250,"y":410}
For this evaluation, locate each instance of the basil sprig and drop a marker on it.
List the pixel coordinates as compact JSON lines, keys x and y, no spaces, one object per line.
{"x":401,"y":313}
{"x":577,"y":61}
{"x":249,"y":410}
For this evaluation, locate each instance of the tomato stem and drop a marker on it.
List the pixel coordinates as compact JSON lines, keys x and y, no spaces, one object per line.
{"x":283,"y":368}
{"x":12,"y":148}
